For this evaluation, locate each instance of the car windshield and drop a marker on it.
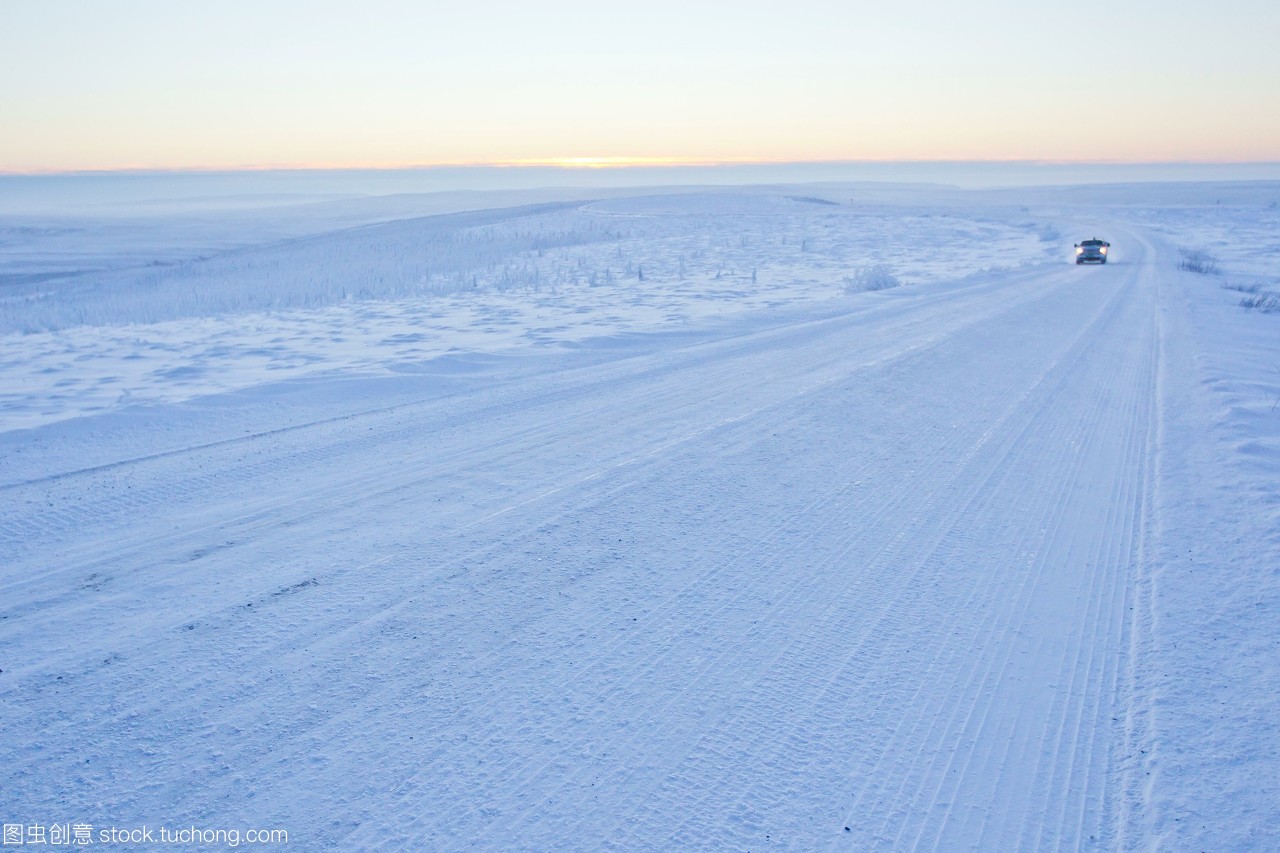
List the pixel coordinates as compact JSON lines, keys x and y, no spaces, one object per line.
{"x":1092,"y":243}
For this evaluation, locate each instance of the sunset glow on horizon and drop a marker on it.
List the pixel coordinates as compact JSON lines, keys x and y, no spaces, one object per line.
{"x":384,"y":85}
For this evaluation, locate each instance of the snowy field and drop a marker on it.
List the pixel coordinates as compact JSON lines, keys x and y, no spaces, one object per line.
{"x":823,"y":516}
{"x":392,"y":296}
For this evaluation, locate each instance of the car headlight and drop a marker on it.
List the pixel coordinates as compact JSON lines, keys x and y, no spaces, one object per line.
{"x":1104,"y":250}
{"x":1079,"y":251}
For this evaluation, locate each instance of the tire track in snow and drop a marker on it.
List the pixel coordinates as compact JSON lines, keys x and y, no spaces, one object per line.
{"x":797,"y":656}
{"x":1098,"y":578}
{"x":604,"y":490}
{"x":707,"y":617}
{"x":1066,"y":673}
{"x":671,"y":804}
{"x":688,"y":595}
{"x":683,"y":618}
{"x":407,"y":471}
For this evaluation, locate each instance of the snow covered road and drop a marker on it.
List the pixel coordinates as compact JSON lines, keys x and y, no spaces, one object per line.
{"x":866,"y":579}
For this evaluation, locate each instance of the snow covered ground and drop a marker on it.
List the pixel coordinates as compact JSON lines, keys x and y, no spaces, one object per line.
{"x":391,"y":296}
{"x":632,"y":519}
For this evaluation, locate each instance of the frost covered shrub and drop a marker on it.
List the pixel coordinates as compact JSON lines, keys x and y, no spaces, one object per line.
{"x":1267,"y":303}
{"x":874,"y":277}
{"x":1198,"y":261}
{"x":1241,"y":288}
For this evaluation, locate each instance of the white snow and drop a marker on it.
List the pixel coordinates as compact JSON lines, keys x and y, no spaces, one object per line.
{"x":386,"y":297}
{"x":621,"y":519}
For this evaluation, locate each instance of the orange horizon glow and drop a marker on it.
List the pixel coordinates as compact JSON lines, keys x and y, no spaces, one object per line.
{"x":587,"y":162}
{"x":570,"y":162}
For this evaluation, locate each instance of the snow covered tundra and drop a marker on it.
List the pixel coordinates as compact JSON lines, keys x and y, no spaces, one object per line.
{"x":814,"y":517}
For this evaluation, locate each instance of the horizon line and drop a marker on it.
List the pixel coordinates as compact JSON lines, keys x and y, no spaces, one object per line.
{"x":590,"y":163}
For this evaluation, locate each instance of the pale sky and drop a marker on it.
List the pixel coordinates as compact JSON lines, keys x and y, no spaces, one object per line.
{"x":163,"y":85}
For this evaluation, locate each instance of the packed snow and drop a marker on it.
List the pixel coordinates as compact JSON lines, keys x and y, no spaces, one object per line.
{"x":812,"y":516}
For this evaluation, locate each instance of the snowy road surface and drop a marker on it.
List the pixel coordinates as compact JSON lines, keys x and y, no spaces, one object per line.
{"x":874,"y":578}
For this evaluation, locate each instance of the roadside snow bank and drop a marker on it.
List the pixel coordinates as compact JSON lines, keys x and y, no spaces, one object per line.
{"x":1215,"y":675}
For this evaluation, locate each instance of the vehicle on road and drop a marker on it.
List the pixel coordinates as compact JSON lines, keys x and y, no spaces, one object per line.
{"x":1092,"y":251}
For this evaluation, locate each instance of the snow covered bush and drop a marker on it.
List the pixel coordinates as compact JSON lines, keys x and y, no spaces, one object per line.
{"x":874,"y":277}
{"x":1241,"y":288}
{"x":1198,"y":261}
{"x":1264,"y":301}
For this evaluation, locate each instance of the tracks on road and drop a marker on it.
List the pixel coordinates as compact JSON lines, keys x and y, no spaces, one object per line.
{"x":871,"y":572}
